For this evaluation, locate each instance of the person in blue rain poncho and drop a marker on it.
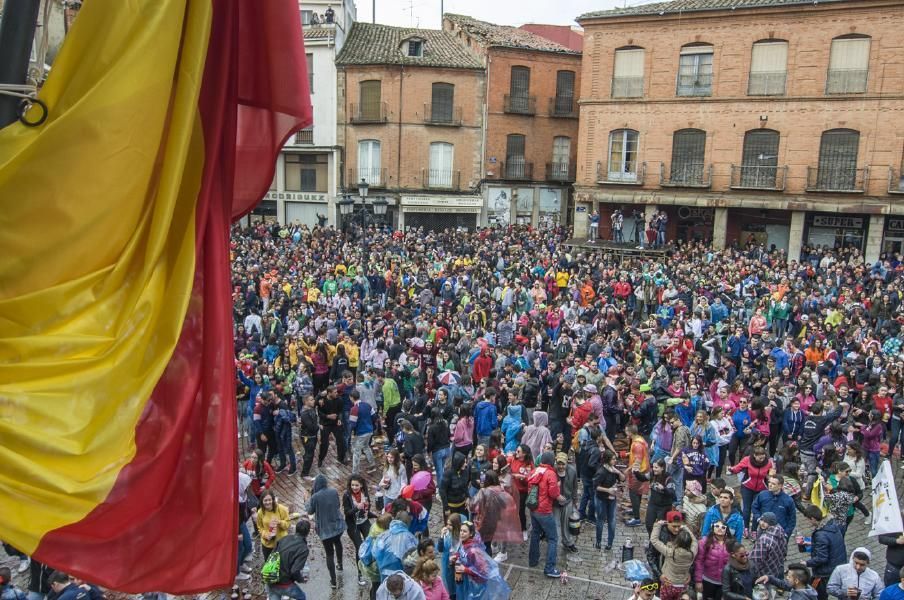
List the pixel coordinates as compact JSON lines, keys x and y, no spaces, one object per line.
{"x":391,"y":547}
{"x":512,"y":425}
{"x":477,"y":575}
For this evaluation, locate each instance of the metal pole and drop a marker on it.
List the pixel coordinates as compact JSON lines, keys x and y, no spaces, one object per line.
{"x":373,"y":12}
{"x":17,"y":34}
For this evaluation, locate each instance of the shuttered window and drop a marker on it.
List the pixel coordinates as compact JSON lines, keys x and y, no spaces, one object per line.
{"x":688,"y":153}
{"x":838,"y":160}
{"x":514,"y":156}
{"x":561,"y":155}
{"x":369,"y":162}
{"x":440,"y":174}
{"x":441,"y":103}
{"x":310,"y":66}
{"x":848,"y":66}
{"x":564,"y":92}
{"x":768,"y":69}
{"x":695,"y":71}
{"x":305,"y":172}
{"x":623,"y":155}
{"x":627,"y":80}
{"x":759,"y":161}
{"x":519,"y":90}
{"x":370,"y":92}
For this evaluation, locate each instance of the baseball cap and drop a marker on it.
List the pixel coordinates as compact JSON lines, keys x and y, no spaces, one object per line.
{"x":673,"y":516}
{"x":561,"y":457}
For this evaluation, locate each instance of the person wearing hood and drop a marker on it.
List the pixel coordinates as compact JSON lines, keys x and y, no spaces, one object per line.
{"x":453,"y":489}
{"x":536,"y":436}
{"x":797,"y":581}
{"x":392,"y":546}
{"x":512,"y":425}
{"x":770,"y":547}
{"x":547,"y":482}
{"x":568,"y":485}
{"x":367,"y":561}
{"x":329,"y":521}
{"x":854,"y":580}
{"x":400,"y":586}
{"x":477,"y":575}
{"x":828,"y":548}
{"x":293,"y":555}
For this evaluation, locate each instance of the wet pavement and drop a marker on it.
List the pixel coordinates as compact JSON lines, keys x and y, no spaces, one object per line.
{"x":591,"y":574}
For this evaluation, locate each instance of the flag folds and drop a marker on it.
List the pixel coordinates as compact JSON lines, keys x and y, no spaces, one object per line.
{"x":117,"y":410}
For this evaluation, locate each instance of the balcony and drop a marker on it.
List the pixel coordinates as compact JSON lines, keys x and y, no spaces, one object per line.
{"x":521,"y":105}
{"x":697,"y":85}
{"x":767,"y":83}
{"x":565,"y":108}
{"x":692,"y":175}
{"x":376,"y":177}
{"x":837,"y":179}
{"x":627,"y":87}
{"x":755,"y":177}
{"x":604,"y":176}
{"x":305,"y":137}
{"x":846,"y":81}
{"x":560,"y":171}
{"x":441,"y":179}
{"x":372,"y":112}
{"x":895,"y":181}
{"x":517,"y":170}
{"x":448,"y":116}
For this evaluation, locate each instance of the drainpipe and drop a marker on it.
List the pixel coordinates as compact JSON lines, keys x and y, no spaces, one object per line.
{"x":399,"y":140}
{"x":483,"y":141}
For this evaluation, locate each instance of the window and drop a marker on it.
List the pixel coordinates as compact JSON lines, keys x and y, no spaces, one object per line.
{"x":369,"y":162}
{"x":519,"y":90}
{"x":837,"y":168}
{"x":515,"y":167}
{"x":306,"y":172}
{"x":305,"y":136}
{"x":371,"y":108}
{"x":759,"y":160}
{"x":848,"y":66}
{"x":688,"y":152}
{"x":768,"y":69}
{"x":306,"y":17}
{"x":627,"y":79}
{"x":623,"y":155}
{"x":415,"y":48}
{"x":440,"y":174}
{"x":441,"y":103}
{"x":310,"y":65}
{"x":561,"y":157}
{"x":564,"y":103}
{"x":695,"y":70}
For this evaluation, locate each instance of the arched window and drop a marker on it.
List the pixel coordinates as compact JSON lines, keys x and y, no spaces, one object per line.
{"x":768,"y":68}
{"x":561,"y":155}
{"x":848,"y":65}
{"x":564,"y":101}
{"x":627,"y":75}
{"x":623,"y":155}
{"x":695,"y":70}
{"x":837,"y":170}
{"x":515,"y":165}
{"x":759,"y":160}
{"x":688,"y":154}
{"x":519,"y":91}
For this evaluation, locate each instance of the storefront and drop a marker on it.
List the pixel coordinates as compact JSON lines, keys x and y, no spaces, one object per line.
{"x":767,"y":227}
{"x":436,"y":213}
{"x":835,"y":231}
{"x":893,"y":236}
{"x":692,"y":223}
{"x":535,"y":206}
{"x":266,"y":210}
{"x":550,"y":207}
{"x":301,"y":207}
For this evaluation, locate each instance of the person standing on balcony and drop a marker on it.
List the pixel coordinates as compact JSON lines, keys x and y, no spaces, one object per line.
{"x":618,"y":220}
{"x":594,"y":225}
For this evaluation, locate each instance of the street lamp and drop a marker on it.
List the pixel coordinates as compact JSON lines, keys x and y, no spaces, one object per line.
{"x":361,"y":214}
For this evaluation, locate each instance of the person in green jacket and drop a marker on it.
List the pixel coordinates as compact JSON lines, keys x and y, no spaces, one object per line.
{"x":392,"y":403}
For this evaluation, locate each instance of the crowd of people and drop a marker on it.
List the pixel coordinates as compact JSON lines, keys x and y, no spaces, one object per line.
{"x":730,"y":402}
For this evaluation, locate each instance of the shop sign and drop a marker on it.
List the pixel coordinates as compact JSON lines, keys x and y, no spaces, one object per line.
{"x":695,"y":213}
{"x":296,"y":196}
{"x":838,"y":222}
{"x":894,"y":225}
{"x":440,"y":202}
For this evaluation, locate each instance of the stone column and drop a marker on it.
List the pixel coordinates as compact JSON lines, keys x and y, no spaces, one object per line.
{"x":720,"y":227}
{"x":796,"y":235}
{"x":581,"y":214}
{"x":874,"y":238}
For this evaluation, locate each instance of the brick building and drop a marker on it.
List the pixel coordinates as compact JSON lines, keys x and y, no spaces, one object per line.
{"x":531,"y":113}
{"x":773,"y":120}
{"x":411,"y":123}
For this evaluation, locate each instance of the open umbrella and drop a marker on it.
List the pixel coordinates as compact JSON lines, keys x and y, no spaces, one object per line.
{"x":449,"y":378}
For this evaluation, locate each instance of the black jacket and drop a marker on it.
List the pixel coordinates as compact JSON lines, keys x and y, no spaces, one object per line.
{"x":331,"y":406}
{"x":309,"y":423}
{"x":828,"y":549}
{"x":454,"y":486}
{"x":437,"y":436}
{"x":737,"y":584}
{"x":293,"y":554}
{"x":894,"y":555}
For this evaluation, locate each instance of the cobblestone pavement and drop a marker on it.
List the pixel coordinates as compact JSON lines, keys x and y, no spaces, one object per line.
{"x":592,"y":574}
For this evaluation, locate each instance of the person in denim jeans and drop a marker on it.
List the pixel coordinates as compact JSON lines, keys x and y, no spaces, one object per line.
{"x":605,"y":483}
{"x":293,"y":555}
{"x":541,"y":517}
{"x":438,"y":443}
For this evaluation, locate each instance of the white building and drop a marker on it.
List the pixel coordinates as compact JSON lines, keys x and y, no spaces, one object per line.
{"x":307,"y":172}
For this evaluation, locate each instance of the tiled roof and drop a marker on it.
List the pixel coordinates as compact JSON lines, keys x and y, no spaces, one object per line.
{"x":369,"y":44}
{"x":560,"y":34}
{"x":505,"y":36}
{"x":318,"y":33}
{"x":676,"y":6}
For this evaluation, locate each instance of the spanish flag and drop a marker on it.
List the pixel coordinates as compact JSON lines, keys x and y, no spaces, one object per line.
{"x":117,"y":407}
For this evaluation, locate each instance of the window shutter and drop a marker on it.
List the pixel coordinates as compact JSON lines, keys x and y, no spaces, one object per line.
{"x":370,"y":100}
{"x":629,"y":63}
{"x":838,"y":159}
{"x":441,"y":103}
{"x":688,"y":152}
{"x":768,"y":66}
{"x":850,"y":54}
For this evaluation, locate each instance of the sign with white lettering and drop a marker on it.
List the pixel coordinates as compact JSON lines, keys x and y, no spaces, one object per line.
{"x":837,"y":222}
{"x":695,"y":213}
{"x":443,"y":202}
{"x":896,"y":225}
{"x":297,"y":196}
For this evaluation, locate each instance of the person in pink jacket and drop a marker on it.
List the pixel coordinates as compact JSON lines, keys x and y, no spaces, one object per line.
{"x":712,"y":557}
{"x":426,"y":573}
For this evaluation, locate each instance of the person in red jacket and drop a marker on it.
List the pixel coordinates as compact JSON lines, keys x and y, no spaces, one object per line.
{"x":541,"y":518}
{"x":622,"y":289}
{"x":757,"y":466}
{"x":482,"y":365}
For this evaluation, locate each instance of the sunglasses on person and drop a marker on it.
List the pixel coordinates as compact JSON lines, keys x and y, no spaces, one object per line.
{"x":650,"y":587}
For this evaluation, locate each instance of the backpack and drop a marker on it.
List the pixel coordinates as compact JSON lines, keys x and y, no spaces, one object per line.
{"x":533,"y":497}
{"x":270,"y":570}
